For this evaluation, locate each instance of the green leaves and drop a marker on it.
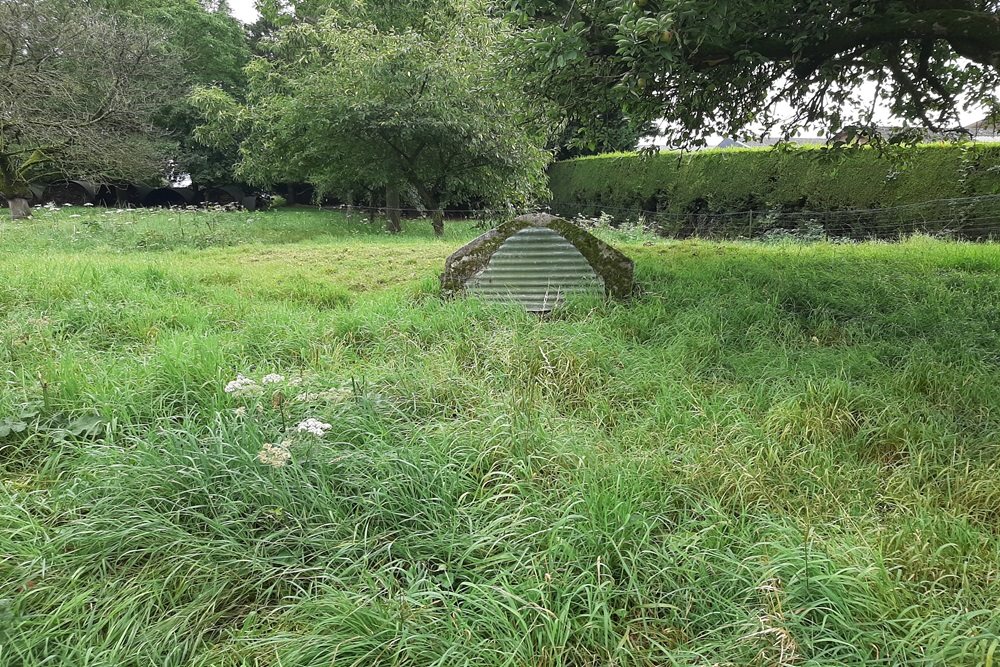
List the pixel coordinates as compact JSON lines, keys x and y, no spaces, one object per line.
{"x":8,"y":426}
{"x":363,"y":99}
{"x":86,"y":425}
{"x":79,"y":103}
{"x":724,"y":67}
{"x":32,"y":417}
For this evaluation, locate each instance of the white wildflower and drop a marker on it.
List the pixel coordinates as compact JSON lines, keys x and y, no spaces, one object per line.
{"x":88,"y":204}
{"x":332,"y":395}
{"x":242,"y":385}
{"x":273,"y":378}
{"x":275,"y":455}
{"x":314,"y":426}
{"x":240,"y":411}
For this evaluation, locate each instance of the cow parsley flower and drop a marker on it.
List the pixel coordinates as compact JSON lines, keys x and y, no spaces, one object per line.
{"x":240,"y":411}
{"x":314,"y":426}
{"x":275,"y":455}
{"x":332,"y":395}
{"x":272,"y":378}
{"x":242,"y":386}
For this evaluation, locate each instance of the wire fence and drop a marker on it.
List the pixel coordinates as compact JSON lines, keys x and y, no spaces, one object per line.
{"x":970,"y":218}
{"x":967,"y":218}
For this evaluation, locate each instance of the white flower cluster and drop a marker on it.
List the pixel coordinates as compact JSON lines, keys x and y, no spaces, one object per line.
{"x":276,"y":455}
{"x":332,"y":395}
{"x":280,"y":454}
{"x":314,"y":426}
{"x":243,"y":386}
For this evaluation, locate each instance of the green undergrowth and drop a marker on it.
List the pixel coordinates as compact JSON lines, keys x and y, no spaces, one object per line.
{"x":775,"y":455}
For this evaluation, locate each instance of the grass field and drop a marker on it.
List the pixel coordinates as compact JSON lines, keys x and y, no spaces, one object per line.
{"x":777,"y":455}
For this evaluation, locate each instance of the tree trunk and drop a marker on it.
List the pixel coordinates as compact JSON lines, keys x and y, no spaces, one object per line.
{"x":433,"y":204}
{"x":393,"y":224}
{"x":437,"y":222}
{"x":20,"y":209}
{"x":372,"y":208}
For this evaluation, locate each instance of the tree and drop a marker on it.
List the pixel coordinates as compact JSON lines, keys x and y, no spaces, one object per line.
{"x":211,"y":48}
{"x":80,"y":88}
{"x":724,"y":67}
{"x":386,"y":14}
{"x":429,"y":108}
{"x":609,"y":132}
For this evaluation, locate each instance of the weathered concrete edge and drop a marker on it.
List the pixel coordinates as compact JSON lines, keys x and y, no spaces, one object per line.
{"x":473,"y":257}
{"x":614,"y":267}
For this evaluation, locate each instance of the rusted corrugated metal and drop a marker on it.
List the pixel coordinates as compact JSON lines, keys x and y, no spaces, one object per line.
{"x":536,"y":267}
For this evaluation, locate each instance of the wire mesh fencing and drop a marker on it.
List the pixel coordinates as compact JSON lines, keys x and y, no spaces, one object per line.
{"x":972,"y":218}
{"x":969,"y":218}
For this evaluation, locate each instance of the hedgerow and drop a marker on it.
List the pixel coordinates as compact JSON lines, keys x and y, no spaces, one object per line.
{"x":800,"y":179}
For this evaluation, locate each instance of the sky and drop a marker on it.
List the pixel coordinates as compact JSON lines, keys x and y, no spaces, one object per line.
{"x":243,"y":10}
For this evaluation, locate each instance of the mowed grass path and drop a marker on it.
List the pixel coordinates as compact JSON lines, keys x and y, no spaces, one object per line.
{"x":777,"y":455}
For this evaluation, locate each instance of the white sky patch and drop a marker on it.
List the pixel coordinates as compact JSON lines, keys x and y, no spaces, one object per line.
{"x":244,"y":10}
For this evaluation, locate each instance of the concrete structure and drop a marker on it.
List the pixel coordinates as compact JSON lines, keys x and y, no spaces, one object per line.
{"x":537,"y":261}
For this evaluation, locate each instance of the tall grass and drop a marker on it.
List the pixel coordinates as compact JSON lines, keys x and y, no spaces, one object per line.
{"x":777,"y":455}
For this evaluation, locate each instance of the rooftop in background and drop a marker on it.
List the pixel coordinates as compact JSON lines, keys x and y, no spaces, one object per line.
{"x":988,"y":129}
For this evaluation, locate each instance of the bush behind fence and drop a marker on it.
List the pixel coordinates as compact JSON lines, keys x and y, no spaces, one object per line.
{"x":972,"y":218}
{"x":863,"y":193}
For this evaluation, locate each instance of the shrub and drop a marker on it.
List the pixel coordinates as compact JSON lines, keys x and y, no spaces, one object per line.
{"x":694,"y":192}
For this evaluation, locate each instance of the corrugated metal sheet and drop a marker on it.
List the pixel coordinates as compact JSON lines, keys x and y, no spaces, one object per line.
{"x":536,"y":267}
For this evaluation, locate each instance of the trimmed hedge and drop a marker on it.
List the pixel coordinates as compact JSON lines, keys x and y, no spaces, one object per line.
{"x":719,"y":182}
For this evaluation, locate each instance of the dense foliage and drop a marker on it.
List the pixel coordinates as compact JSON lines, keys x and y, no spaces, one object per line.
{"x":210,"y":48}
{"x":725,"y":67}
{"x":358,"y":101}
{"x":777,"y":455}
{"x":726,"y":181}
{"x":79,"y":91}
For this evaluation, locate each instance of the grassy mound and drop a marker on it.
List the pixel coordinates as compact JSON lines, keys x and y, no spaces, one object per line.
{"x":777,"y":455}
